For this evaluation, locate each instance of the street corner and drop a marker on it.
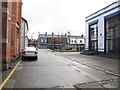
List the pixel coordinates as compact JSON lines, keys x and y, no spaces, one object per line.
{"x":102,"y":85}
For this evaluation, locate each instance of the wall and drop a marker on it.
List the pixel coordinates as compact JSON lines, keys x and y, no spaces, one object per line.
{"x":11,"y":18}
{"x":24,"y":34}
{"x":100,"y":17}
{"x":77,"y":40}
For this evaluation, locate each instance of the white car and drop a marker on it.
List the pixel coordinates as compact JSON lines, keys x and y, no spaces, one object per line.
{"x":30,"y":53}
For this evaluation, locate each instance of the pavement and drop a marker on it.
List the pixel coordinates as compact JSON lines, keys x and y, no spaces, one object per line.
{"x":104,"y":63}
{"x":65,"y":70}
{"x":7,"y":72}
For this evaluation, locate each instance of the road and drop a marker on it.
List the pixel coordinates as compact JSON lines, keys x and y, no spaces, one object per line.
{"x":52,"y":70}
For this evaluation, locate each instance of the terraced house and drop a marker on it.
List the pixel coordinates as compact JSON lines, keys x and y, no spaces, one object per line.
{"x":103,"y":30}
{"x":11,"y":30}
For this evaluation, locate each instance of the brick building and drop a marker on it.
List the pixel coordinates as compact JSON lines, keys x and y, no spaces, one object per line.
{"x":33,"y":42}
{"x":11,"y":30}
{"x":61,"y":41}
{"x":51,"y":41}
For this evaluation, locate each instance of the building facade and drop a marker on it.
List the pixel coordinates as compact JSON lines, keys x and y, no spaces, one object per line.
{"x":32,"y":42}
{"x":103,"y":30}
{"x":60,"y":41}
{"x":24,"y":33}
{"x":76,"y":42}
{"x":42,"y":41}
{"x":52,"y":41}
{"x":11,"y":30}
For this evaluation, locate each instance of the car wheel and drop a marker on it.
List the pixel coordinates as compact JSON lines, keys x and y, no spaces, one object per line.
{"x":22,"y":58}
{"x":36,"y":58}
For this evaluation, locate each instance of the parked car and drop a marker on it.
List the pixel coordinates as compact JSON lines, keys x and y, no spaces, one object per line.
{"x":30,"y":53}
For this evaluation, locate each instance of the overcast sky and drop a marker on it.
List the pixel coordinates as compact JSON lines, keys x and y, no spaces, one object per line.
{"x":59,"y":15}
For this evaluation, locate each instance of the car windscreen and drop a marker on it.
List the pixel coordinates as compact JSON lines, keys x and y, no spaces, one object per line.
{"x":30,"y":49}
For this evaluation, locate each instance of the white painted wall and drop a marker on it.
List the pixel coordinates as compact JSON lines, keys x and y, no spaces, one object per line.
{"x":86,"y":36}
{"x":101,"y":34}
{"x":100,"y":19}
{"x":78,"y":39}
{"x":24,"y":34}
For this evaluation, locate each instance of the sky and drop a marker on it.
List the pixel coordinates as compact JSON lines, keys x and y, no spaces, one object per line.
{"x":59,"y":16}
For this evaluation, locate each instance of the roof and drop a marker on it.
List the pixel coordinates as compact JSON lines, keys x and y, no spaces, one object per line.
{"x":74,"y":36}
{"x":26,"y":23}
{"x":102,"y":9}
{"x":50,"y":35}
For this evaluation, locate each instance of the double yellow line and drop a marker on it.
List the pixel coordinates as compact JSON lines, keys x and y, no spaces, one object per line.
{"x":4,"y":82}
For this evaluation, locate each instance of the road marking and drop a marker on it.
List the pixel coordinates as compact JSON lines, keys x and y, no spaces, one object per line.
{"x":2,"y":85}
{"x":92,"y":66}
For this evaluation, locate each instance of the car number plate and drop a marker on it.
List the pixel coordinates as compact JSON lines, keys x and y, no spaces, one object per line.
{"x":30,"y":53}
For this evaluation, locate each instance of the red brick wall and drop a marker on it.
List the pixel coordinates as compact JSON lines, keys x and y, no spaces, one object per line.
{"x":8,"y":34}
{"x":19,"y":21}
{"x":4,"y":24}
{"x":16,"y":19}
{"x":11,"y":16}
{"x":13,"y":28}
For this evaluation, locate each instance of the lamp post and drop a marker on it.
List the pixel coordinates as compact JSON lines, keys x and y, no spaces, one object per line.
{"x":32,"y":36}
{"x":62,"y":40}
{"x":58,"y":42}
{"x":68,"y":39}
{"x":39,"y":39}
{"x":76,"y":44}
{"x":65,"y":40}
{"x":53,"y":44}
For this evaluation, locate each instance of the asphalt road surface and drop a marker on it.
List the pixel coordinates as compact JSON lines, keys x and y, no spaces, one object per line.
{"x":55,"y":71}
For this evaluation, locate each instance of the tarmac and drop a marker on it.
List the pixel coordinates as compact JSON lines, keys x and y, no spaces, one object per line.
{"x":104,"y":64}
{"x":108,"y":65}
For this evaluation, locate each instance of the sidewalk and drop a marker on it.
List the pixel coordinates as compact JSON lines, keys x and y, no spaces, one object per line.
{"x":104,"y":63}
{"x":102,"y":85}
{"x":7,"y":72}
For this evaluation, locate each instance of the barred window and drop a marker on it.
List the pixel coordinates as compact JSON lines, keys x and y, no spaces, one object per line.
{"x":113,"y":34}
{"x":9,"y":31}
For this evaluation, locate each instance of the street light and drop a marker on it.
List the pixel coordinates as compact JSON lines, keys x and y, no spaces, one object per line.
{"x":62,"y":40}
{"x":32,"y":36}
{"x":69,"y":39}
{"x":65,"y":41}
{"x":76,"y":44}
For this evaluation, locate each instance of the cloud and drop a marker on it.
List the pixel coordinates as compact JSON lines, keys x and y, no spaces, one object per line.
{"x":60,"y":15}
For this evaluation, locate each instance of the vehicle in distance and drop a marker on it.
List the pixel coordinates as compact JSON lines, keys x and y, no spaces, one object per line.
{"x":29,"y":53}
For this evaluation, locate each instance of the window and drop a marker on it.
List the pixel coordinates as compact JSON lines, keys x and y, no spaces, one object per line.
{"x":41,"y":40}
{"x":9,"y":31}
{"x":80,"y":41}
{"x":74,"y":41}
{"x":113,"y":34}
{"x":93,"y":36}
{"x":45,"y":40}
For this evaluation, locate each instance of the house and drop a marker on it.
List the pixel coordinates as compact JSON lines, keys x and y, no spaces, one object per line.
{"x":60,"y":41}
{"x":51,"y":41}
{"x":10,"y":22}
{"x":24,"y":33}
{"x":42,"y":41}
{"x":32,"y":42}
{"x":103,"y":30}
{"x":76,"y":42}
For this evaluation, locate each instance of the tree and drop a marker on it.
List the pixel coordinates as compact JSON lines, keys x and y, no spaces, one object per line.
{"x":54,"y":40}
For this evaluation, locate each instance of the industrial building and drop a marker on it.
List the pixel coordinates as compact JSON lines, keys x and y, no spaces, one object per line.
{"x":103,"y":30}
